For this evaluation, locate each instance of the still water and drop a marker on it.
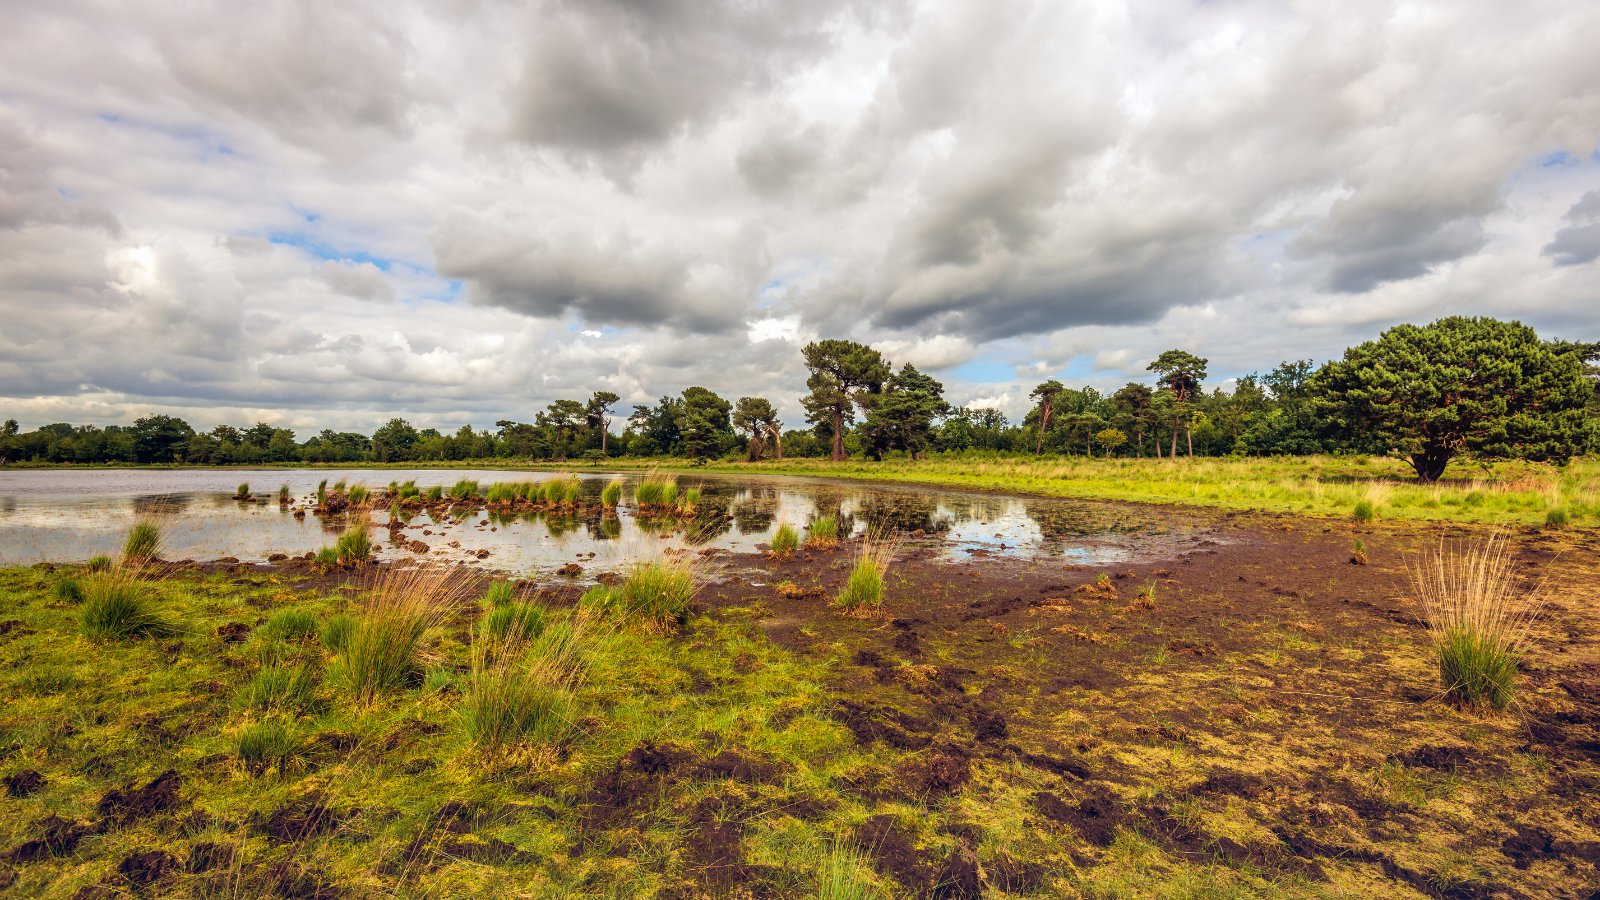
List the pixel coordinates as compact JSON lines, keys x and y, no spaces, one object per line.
{"x":70,"y":515}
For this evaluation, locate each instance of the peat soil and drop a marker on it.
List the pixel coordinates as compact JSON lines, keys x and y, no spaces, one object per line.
{"x":1253,"y":698}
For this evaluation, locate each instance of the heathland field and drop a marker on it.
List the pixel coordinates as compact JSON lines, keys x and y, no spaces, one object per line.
{"x":1256,"y":706}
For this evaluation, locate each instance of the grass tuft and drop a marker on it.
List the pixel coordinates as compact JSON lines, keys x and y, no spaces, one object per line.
{"x":143,"y":543}
{"x":268,"y":745}
{"x":282,"y":689}
{"x":335,"y":634}
{"x":842,"y":875}
{"x":354,"y":546}
{"x":98,"y":563}
{"x":863,"y":592}
{"x":499,"y":593}
{"x":656,"y":593}
{"x":291,"y":625}
{"x":117,"y":605}
{"x":824,"y":533}
{"x":380,"y":654}
{"x":68,"y":590}
{"x":785,"y":540}
{"x":514,"y":623}
{"x":523,"y":694}
{"x":1479,"y":615}
{"x":611,"y":494}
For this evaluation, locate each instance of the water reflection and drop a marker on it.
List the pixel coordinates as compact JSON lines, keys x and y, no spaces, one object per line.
{"x":66,"y":516}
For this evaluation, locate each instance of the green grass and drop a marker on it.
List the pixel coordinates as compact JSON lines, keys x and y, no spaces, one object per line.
{"x":268,"y":745}
{"x":656,"y":593}
{"x":515,"y":623}
{"x":863,"y":592}
{"x":68,"y":590}
{"x":358,"y":495}
{"x":281,"y":688}
{"x":499,"y":593}
{"x":379,"y":656}
{"x":291,"y":625}
{"x":611,"y":494}
{"x":326,"y":559}
{"x":1503,"y":492}
{"x":656,"y":490}
{"x":243,"y":493}
{"x":1364,"y":511}
{"x":435,"y":492}
{"x":522,"y":688}
{"x":1479,"y":614}
{"x":786,"y":539}
{"x":335,"y":633}
{"x":98,"y":563}
{"x":844,"y":874}
{"x":354,"y":546}
{"x":143,"y":543}
{"x":823,"y":532}
{"x":464,"y":489}
{"x":118,"y":606}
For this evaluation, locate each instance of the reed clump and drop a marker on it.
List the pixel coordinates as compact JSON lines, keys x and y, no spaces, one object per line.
{"x":522,"y":690}
{"x":611,"y":494}
{"x":118,"y":605}
{"x":354,"y":547}
{"x":863,"y":592}
{"x":380,"y":654}
{"x":656,"y":491}
{"x":1479,"y":615}
{"x":785,"y":541}
{"x":823,"y":533}
{"x":143,"y":544}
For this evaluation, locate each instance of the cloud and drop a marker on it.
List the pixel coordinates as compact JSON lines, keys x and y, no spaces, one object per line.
{"x":461,"y":212}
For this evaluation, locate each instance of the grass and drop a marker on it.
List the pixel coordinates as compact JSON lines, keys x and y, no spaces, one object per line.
{"x":268,"y":745}
{"x":326,"y":559}
{"x":611,"y":494}
{"x":656,"y":593}
{"x":283,"y":493}
{"x":522,"y":689}
{"x":335,"y":633}
{"x":1503,"y":492}
{"x":98,"y":563}
{"x":243,"y":493}
{"x":499,"y":593}
{"x":863,"y":592}
{"x":117,"y":605}
{"x":291,"y":625}
{"x":843,"y":874}
{"x":823,"y":533}
{"x":282,"y":688}
{"x":785,"y":540}
{"x":354,"y":546}
{"x":358,"y":495}
{"x":515,"y":623}
{"x":143,"y":543}
{"x":656,"y":490}
{"x":1479,"y":614}
{"x":380,"y":654}
{"x":464,"y":489}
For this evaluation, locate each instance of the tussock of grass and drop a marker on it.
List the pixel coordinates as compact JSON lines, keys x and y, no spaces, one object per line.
{"x":514,"y":623}
{"x":843,"y":874}
{"x":611,"y":494}
{"x":785,"y":540}
{"x":1478,"y":614}
{"x":863,"y":592}
{"x":354,"y":546}
{"x":268,"y":745}
{"x":98,"y":563}
{"x":359,"y":495}
{"x":1557,"y":517}
{"x":523,"y":693}
{"x":291,"y":625}
{"x":465,"y":489}
{"x":436,"y":492}
{"x":823,"y":533}
{"x":499,"y":594}
{"x":68,"y":590}
{"x":280,"y":688}
{"x":143,"y":543}
{"x":1364,"y":511}
{"x":335,"y":633}
{"x":656,"y":490}
{"x":326,"y":559}
{"x":117,"y":605}
{"x":380,"y":653}
{"x":243,"y":493}
{"x":656,"y":593}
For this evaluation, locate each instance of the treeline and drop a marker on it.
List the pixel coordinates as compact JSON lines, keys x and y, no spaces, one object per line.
{"x":1429,"y":393}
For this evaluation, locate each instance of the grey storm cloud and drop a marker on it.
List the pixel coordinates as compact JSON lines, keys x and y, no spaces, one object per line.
{"x":335,"y":213}
{"x":1579,"y":242}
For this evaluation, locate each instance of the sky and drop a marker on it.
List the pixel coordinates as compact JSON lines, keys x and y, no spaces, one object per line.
{"x":329,"y":214}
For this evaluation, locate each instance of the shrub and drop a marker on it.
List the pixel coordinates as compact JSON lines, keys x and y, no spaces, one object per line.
{"x":143,"y":543}
{"x":281,"y":688}
{"x":824,"y":533}
{"x":611,"y":494}
{"x":268,"y":745}
{"x":380,"y":652}
{"x":514,"y":623}
{"x":354,"y":546}
{"x":68,"y":590}
{"x":336,"y":632}
{"x":291,"y":625}
{"x":98,"y":563}
{"x":464,"y":489}
{"x":499,"y":594}
{"x":863,"y":592}
{"x":785,"y":540}
{"x":1479,"y":617}
{"x":117,"y":606}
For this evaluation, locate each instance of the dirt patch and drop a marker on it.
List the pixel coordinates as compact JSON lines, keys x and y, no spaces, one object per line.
{"x":731,"y":764}
{"x":892,"y":853}
{"x":1442,"y":758}
{"x":879,"y":722}
{"x":961,"y":876}
{"x":56,"y":837}
{"x":24,"y":783}
{"x":233,"y":632}
{"x":1094,"y":814}
{"x":636,"y":778}
{"x":144,"y":869}
{"x":299,"y":819}
{"x":937,"y":773}
{"x":160,"y":795}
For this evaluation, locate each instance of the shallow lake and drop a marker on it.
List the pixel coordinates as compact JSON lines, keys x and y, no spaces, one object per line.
{"x":61,"y":515}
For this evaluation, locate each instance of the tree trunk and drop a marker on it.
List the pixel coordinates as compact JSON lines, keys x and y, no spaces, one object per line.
{"x":777,"y":442}
{"x":1174,"y":453}
{"x":605,"y":427}
{"x":1188,"y":436}
{"x":838,"y":434}
{"x":1430,"y":463}
{"x":1140,"y":448}
{"x":1044,"y":423}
